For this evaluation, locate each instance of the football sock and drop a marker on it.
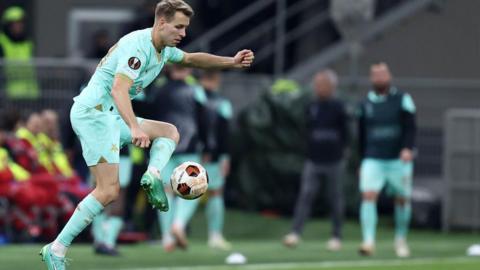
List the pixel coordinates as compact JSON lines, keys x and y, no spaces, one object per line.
{"x":58,"y":249}
{"x":166,"y":219}
{"x":184,"y":211}
{"x":114,"y":226}
{"x":402,"y":219}
{"x":368,"y":219}
{"x":86,"y":210}
{"x":160,"y":152}
{"x":97,"y":228}
{"x":215,"y":214}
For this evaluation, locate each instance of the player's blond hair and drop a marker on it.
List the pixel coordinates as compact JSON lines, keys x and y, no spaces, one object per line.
{"x":168,"y":8}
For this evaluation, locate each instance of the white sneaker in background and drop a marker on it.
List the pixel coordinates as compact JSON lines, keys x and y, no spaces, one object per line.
{"x":168,"y":243}
{"x":401,"y":248}
{"x":291,"y":240}
{"x":180,"y":236}
{"x":473,"y":250}
{"x":236,"y":259}
{"x":334,"y":244}
{"x":219,"y":242}
{"x":367,"y":249}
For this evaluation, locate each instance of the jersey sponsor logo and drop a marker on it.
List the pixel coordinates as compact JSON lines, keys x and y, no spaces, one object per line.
{"x":134,"y":63}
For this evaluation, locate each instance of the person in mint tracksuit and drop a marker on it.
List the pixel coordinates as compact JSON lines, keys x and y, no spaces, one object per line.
{"x":181,"y":103}
{"x":215,"y":157}
{"x":386,"y":139}
{"x":218,"y":112}
{"x":103,"y":119}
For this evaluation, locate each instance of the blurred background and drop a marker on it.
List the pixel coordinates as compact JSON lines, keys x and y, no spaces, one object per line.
{"x":431,"y":47}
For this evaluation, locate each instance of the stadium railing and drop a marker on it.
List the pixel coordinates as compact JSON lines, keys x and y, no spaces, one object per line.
{"x":461,"y":200}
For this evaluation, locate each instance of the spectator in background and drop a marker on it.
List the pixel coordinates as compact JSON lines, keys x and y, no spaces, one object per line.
{"x":386,"y":139}
{"x":33,"y":150}
{"x":21,"y":150}
{"x":48,"y":137}
{"x":36,"y":199}
{"x":327,"y":138}
{"x":17,"y":50}
{"x":29,"y":133}
{"x":216,"y":157}
{"x":181,"y":104}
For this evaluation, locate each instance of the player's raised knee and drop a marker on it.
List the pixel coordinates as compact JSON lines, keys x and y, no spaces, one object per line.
{"x":172,"y":133}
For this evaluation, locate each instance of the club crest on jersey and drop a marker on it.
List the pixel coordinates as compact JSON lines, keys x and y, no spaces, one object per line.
{"x":134,"y":63}
{"x":138,"y":89}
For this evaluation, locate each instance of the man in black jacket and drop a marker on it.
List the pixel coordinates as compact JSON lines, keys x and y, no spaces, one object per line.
{"x":181,"y":103}
{"x":219,"y":113}
{"x":327,"y":138}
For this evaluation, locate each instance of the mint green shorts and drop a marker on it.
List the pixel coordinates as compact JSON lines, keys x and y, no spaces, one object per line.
{"x":216,"y":179}
{"x":174,"y":162}
{"x":124,"y":172}
{"x":101,"y":134}
{"x":396,"y":174}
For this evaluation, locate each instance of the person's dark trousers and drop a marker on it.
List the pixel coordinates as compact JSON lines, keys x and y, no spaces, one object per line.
{"x":311,"y":176}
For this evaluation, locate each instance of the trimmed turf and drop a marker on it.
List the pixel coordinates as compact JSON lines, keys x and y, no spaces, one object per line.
{"x":259,"y":239}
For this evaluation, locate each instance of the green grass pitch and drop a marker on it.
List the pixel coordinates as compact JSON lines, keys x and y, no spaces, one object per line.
{"x":259,"y":239}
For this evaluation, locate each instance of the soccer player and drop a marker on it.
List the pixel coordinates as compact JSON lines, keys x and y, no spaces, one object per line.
{"x":182,"y":104}
{"x":103,"y":119}
{"x":387,"y":135}
{"x":217,"y":163}
{"x":215,"y":157}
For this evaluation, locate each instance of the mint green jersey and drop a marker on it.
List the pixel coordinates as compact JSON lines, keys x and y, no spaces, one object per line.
{"x":135,"y":57}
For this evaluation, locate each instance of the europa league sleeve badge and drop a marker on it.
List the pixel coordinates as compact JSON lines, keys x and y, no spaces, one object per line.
{"x":134,"y":63}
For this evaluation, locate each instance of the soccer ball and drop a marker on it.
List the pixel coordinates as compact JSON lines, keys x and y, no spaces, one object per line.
{"x":189,"y":180}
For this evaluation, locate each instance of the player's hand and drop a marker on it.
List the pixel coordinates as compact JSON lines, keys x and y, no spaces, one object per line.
{"x":140,"y":138}
{"x":243,"y":59}
{"x":406,"y":155}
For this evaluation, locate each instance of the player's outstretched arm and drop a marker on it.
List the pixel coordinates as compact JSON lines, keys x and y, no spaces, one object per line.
{"x":121,"y":85}
{"x":243,"y":59}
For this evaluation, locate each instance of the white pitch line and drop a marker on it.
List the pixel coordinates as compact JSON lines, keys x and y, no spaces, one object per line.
{"x":319,"y":265}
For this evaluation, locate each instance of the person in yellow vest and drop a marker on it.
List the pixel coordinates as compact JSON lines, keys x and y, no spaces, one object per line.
{"x":17,"y":51}
{"x":11,"y":170}
{"x":34,"y":195}
{"x":29,"y":132}
{"x":49,"y":138}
